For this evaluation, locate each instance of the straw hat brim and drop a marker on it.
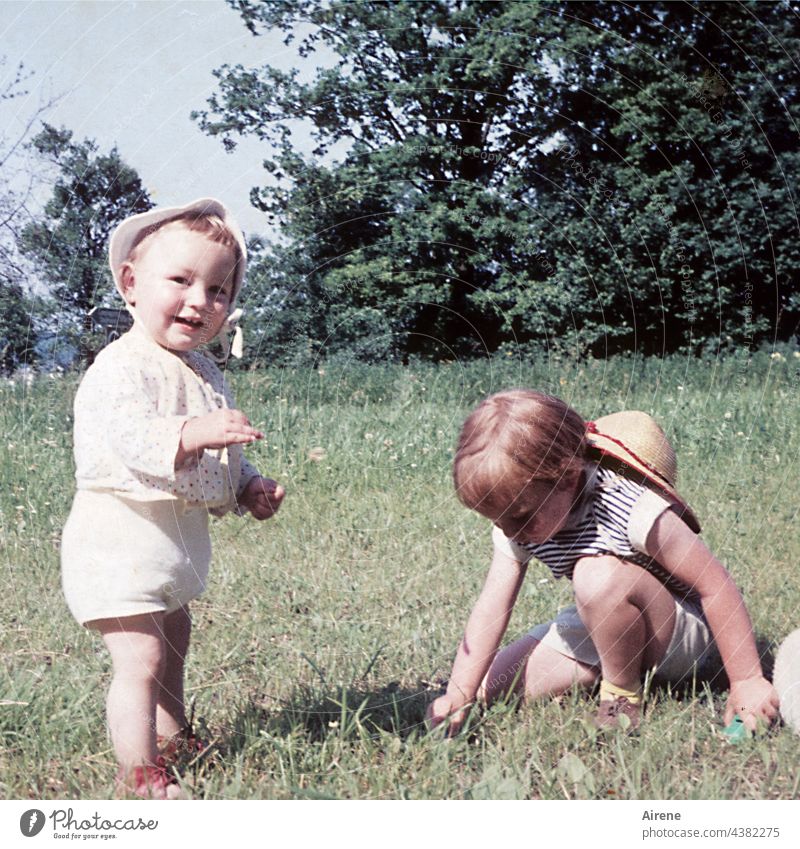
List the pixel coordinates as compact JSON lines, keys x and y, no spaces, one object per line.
{"x":614,"y":456}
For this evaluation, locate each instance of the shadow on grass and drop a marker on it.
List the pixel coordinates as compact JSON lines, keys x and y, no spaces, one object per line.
{"x":343,"y":713}
{"x":351,"y":714}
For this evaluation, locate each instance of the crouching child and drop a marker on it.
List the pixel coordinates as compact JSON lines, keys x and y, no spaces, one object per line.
{"x":595,"y":502}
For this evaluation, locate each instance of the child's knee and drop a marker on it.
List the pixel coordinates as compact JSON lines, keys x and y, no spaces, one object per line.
{"x":137,"y":655}
{"x":600,"y":582}
{"x":145,"y":660}
{"x":507,"y":672}
{"x":497,"y":682}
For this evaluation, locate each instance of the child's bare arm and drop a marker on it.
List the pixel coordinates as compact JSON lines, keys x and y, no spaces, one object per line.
{"x":676,"y":547}
{"x":485,"y":628}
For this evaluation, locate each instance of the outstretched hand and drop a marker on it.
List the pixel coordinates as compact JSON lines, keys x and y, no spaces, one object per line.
{"x":447,"y":709}
{"x":214,"y":430}
{"x":217,"y":430}
{"x":262,"y":497}
{"x":755,"y":700}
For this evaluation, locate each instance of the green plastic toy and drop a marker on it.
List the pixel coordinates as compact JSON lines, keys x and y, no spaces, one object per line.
{"x":737,"y":731}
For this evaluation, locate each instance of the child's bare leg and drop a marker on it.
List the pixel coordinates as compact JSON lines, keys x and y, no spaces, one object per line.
{"x":531,"y":668}
{"x":629,"y":614}
{"x":137,"y":651}
{"x":170,"y":707}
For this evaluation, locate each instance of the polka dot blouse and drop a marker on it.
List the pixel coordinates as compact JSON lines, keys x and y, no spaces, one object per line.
{"x":129,"y":411}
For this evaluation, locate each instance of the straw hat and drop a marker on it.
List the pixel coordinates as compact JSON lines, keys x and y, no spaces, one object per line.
{"x":632,"y":441}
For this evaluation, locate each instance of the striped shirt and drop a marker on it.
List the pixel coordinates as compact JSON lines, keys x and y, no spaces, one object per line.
{"x":613,"y":516}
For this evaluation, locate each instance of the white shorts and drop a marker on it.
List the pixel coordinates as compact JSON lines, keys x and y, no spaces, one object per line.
{"x":690,"y":647}
{"x":121,"y":557}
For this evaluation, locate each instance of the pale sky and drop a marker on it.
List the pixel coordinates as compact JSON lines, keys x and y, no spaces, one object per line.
{"x":129,"y":74}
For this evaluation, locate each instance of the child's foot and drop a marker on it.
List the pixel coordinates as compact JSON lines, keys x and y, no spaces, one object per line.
{"x":149,"y":782}
{"x":611,"y":710}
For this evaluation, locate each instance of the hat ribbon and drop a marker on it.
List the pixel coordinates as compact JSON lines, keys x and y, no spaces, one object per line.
{"x":233,"y":346}
{"x":591,"y":427}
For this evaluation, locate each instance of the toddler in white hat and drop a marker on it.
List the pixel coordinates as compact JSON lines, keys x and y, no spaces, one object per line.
{"x":158,"y":446}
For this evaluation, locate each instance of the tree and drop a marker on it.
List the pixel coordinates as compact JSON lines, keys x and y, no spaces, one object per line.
{"x":672,"y":173}
{"x":389,"y":244}
{"x":92,"y":193}
{"x":16,"y":304}
{"x":15,"y":326}
{"x":605,"y":176}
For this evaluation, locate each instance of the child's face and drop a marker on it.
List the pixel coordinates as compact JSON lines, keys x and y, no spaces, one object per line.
{"x":540,"y":512}
{"x":181,"y":284}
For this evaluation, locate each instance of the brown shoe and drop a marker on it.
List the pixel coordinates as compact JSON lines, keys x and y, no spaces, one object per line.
{"x":612,"y":710}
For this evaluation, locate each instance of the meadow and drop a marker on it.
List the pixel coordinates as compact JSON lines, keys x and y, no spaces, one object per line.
{"x":326,"y":631}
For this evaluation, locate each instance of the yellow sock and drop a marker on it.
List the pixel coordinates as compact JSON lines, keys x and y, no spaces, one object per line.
{"x":609,"y":692}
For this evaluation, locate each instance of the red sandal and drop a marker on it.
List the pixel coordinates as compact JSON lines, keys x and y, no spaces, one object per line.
{"x":150,"y":781}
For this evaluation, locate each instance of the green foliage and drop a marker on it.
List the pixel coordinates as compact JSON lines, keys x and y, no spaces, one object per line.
{"x":16,"y":302}
{"x":16,"y":328}
{"x":680,"y":169}
{"x":92,"y":193}
{"x":592,"y":176}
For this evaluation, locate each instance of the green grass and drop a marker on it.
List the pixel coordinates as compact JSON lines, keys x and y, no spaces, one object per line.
{"x":325,"y":631}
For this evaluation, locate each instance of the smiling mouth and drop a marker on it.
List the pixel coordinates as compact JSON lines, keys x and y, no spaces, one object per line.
{"x":194,"y":323}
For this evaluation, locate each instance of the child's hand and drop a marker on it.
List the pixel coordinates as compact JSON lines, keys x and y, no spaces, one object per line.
{"x":262,"y":497}
{"x":216,"y":430}
{"x":447,"y":708}
{"x":754,"y":700}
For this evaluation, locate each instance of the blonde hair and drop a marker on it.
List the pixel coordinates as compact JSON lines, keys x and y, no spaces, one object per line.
{"x":208,"y":224}
{"x":512,"y":439}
